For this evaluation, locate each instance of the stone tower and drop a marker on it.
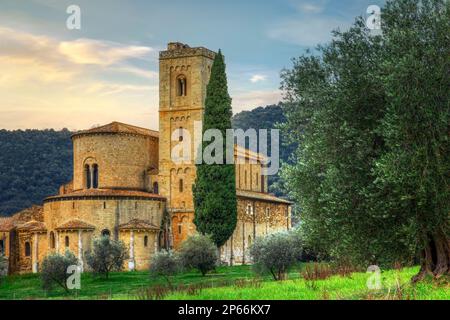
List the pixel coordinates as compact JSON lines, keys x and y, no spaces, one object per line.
{"x":184,"y":74}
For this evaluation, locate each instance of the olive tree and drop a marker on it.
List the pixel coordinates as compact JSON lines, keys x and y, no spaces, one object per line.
{"x":3,"y":266}
{"x":164,"y":264}
{"x":276,"y":253}
{"x":199,"y":252}
{"x":107,"y":255}
{"x":54,"y":270}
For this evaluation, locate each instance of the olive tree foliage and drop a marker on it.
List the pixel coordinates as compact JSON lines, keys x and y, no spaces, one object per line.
{"x":164,"y":264}
{"x":371,"y":115}
{"x":54,"y":270}
{"x":276,"y":253}
{"x":107,"y":255}
{"x":3,"y":266}
{"x":198,"y":252}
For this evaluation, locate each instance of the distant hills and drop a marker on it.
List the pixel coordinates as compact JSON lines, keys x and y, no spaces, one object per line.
{"x":34,"y":163}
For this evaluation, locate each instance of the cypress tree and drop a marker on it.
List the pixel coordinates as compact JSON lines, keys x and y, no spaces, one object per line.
{"x":215,"y":186}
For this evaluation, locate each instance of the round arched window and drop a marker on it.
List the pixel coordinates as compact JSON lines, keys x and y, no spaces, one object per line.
{"x":27,"y":249}
{"x":106,"y":233}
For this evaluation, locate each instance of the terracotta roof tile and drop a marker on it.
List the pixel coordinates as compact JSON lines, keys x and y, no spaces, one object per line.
{"x":137,"y":224}
{"x":106,"y":193}
{"x":7,"y":224}
{"x":32,"y":226}
{"x":260,"y":196}
{"x":118,"y":127}
{"x":75,"y":224}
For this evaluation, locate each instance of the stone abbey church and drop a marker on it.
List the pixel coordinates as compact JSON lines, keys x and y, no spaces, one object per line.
{"x":126,"y":186}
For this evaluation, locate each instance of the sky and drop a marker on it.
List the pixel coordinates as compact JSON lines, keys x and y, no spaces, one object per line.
{"x":54,"y":77}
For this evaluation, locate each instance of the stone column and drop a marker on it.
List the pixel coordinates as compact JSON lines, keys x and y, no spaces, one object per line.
{"x":57,"y":242}
{"x":155,"y":239}
{"x":35,"y":253}
{"x":131,"y":262}
{"x":80,"y":250}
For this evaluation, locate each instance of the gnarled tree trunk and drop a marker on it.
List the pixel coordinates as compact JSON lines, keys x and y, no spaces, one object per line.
{"x":435,"y":260}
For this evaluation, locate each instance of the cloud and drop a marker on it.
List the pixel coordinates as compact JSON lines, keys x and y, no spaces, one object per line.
{"x":258,"y":78}
{"x":48,"y":83}
{"x":88,"y":51}
{"x":306,"y":31}
{"x":252,"y":99}
{"x":309,"y":6}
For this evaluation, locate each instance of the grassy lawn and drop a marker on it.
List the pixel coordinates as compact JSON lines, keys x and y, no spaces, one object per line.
{"x":352,"y":287}
{"x":227,"y":283}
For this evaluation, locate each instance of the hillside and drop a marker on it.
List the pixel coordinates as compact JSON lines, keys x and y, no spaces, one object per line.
{"x":34,"y":163}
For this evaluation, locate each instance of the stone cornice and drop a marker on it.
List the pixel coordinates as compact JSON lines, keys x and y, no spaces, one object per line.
{"x":187,"y":52}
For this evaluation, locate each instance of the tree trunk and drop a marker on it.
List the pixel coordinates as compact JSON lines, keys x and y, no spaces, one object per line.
{"x":435,"y":259}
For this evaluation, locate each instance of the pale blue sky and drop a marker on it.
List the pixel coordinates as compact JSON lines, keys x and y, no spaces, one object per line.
{"x":55,"y":77}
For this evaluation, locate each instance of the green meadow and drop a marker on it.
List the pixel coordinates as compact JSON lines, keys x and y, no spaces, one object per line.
{"x":231,"y":283}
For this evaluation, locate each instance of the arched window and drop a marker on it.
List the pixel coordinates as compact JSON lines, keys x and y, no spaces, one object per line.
{"x":179,"y":228}
{"x":95,"y":176}
{"x":155,"y":188}
{"x":106,"y":233}
{"x":249,"y":209}
{"x":2,"y":246}
{"x":181,"y":86}
{"x":87,"y":174}
{"x":146,"y":241}
{"x":180,"y":134}
{"x":181,"y":185}
{"x":67,"y":241}
{"x":27,"y":249}
{"x":52,"y":240}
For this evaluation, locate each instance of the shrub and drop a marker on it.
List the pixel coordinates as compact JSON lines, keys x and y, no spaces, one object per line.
{"x":107,"y":255}
{"x":3,"y":266}
{"x":198,"y":252}
{"x":164,"y":264}
{"x":316,"y":271}
{"x":54,"y":270}
{"x":276,"y":254}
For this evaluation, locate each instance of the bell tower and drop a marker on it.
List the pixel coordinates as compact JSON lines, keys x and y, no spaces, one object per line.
{"x":183,"y":76}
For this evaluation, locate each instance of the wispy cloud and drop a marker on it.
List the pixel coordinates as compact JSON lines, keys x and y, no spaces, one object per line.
{"x":258,"y":78}
{"x":88,"y":51}
{"x":45,"y":82}
{"x":306,"y":31}
{"x":316,"y":6}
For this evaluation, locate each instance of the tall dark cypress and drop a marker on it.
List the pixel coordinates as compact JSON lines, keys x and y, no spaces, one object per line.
{"x":215,"y":186}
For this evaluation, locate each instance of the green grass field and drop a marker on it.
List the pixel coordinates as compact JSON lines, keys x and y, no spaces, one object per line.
{"x":227,"y":283}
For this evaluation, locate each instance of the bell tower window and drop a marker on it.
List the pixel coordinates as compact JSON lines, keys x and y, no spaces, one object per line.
{"x":180,"y":132}
{"x":87,"y":172}
{"x":95,"y":176}
{"x":181,"y":185}
{"x":181,"y":86}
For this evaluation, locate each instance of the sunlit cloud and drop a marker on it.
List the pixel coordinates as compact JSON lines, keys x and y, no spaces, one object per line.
{"x":258,"y":78}
{"x":88,"y":51}
{"x":46,"y":83}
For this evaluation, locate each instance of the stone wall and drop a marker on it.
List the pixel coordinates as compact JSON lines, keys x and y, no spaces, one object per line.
{"x":103,"y":214}
{"x":122,"y":159}
{"x":255,"y":219}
